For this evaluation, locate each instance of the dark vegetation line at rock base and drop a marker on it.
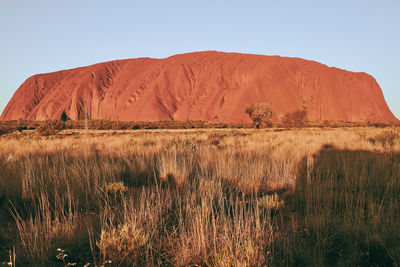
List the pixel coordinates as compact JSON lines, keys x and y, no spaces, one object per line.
{"x":50,"y":127}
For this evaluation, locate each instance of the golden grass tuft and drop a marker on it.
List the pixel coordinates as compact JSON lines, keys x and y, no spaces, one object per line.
{"x":271,"y":202}
{"x":116,"y":188}
{"x":122,"y":244}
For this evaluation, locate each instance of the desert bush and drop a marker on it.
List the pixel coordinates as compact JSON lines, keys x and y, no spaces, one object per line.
{"x":387,"y":138}
{"x":295,"y":118}
{"x":378,"y":124}
{"x":5,"y":130}
{"x":100,"y":125}
{"x":118,"y":125}
{"x":50,"y":127}
{"x":21,"y":125}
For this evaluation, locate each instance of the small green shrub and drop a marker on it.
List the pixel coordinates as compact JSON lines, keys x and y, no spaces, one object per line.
{"x":64,"y":117}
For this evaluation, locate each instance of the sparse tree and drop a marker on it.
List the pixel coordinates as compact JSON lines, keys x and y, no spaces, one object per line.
{"x":260,"y":113}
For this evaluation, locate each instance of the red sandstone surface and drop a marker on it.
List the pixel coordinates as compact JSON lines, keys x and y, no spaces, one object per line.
{"x":210,"y":86}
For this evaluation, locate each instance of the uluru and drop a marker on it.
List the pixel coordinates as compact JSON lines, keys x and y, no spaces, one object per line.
{"x":210,"y":86}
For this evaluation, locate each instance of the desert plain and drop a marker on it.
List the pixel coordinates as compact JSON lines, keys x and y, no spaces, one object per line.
{"x":277,"y":196}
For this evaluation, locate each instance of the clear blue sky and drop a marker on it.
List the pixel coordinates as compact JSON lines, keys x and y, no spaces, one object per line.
{"x":48,"y":35}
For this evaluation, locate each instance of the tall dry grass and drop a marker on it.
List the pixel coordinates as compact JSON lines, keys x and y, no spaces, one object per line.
{"x":187,"y":197}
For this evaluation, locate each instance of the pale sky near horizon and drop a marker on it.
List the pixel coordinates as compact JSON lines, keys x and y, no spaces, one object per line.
{"x":49,"y":35}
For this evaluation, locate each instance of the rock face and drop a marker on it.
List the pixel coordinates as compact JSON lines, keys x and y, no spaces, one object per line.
{"x":210,"y":86}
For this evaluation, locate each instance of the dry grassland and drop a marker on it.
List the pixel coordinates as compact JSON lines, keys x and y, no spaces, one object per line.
{"x":210,"y":197}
